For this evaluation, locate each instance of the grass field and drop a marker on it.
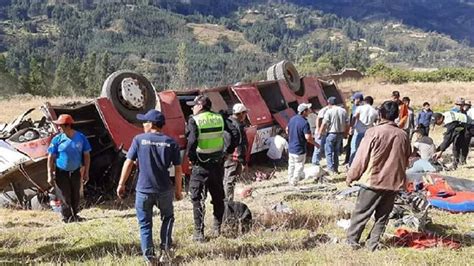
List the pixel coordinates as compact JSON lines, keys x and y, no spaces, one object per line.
{"x":310,"y":236}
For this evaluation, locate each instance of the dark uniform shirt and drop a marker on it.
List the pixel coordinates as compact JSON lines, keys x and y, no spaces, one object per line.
{"x":192,"y":136}
{"x":155,"y":152}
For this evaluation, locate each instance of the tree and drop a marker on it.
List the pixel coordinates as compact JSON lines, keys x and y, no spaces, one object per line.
{"x":60,"y":84}
{"x":179,"y":77}
{"x":88,"y":74}
{"x":36,"y":79}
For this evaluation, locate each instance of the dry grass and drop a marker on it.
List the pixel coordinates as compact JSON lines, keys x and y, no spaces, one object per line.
{"x":209,"y":34}
{"x":110,"y":235}
{"x":16,"y":105}
{"x":441,"y":95}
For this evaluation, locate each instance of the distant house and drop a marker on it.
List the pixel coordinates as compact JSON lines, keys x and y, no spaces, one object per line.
{"x":345,"y":74}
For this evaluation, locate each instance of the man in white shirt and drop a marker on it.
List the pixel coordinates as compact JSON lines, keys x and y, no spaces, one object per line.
{"x":278,"y":145}
{"x":364,"y":118}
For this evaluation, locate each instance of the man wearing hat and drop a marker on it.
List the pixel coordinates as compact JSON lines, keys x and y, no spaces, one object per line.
{"x":334,"y":123}
{"x":459,"y":105}
{"x":157,"y":154}
{"x":457,"y":130}
{"x":299,"y":133}
{"x":234,"y":164}
{"x":67,"y":153}
{"x":206,"y":152}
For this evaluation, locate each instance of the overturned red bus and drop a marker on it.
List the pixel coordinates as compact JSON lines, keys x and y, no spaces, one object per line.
{"x":109,"y":124}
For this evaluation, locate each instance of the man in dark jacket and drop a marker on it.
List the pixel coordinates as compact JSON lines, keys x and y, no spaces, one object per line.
{"x":424,"y":118}
{"x":457,"y":133}
{"x":205,"y":149}
{"x":379,"y":167}
{"x":235,"y":164}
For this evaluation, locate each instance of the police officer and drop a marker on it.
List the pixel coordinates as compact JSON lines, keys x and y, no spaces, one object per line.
{"x":457,"y":133}
{"x":205,"y":149}
{"x":234,"y":165}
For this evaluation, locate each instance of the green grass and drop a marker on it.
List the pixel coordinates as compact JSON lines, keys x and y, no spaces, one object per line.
{"x":311,"y":236}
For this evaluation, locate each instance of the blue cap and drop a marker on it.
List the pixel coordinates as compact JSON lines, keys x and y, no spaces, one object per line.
{"x":332,"y":100}
{"x":154,"y":116}
{"x":358,"y":96}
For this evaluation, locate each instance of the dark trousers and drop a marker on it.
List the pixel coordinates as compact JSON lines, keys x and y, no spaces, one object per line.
{"x":207,"y":177}
{"x":460,"y":148}
{"x":232,"y":170}
{"x":465,"y":147}
{"x":370,"y":201}
{"x":68,"y":187}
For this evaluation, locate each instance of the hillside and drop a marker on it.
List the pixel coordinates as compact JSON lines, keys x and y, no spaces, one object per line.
{"x":64,"y":46}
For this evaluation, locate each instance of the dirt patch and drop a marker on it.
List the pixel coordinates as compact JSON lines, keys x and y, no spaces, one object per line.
{"x":210,"y":34}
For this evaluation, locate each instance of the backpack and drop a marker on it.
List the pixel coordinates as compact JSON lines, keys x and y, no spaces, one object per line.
{"x":237,"y":218}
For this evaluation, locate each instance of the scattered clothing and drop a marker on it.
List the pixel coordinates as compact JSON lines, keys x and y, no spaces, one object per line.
{"x":422,"y":166}
{"x":405,"y":238}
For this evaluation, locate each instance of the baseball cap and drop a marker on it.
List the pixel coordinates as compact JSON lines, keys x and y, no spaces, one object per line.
{"x":154,"y":116}
{"x":332,"y":100}
{"x":239,"y":108}
{"x":303,"y":106}
{"x":64,"y":119}
{"x":200,"y":99}
{"x":359,"y":96}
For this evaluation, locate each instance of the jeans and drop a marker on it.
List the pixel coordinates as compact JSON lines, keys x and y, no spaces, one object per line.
{"x":332,"y":150}
{"x":356,"y":139}
{"x":144,"y":203}
{"x":321,"y":140}
{"x":296,"y":167}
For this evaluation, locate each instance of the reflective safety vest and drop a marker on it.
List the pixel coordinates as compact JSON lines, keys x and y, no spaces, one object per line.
{"x":451,"y":116}
{"x":210,"y":132}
